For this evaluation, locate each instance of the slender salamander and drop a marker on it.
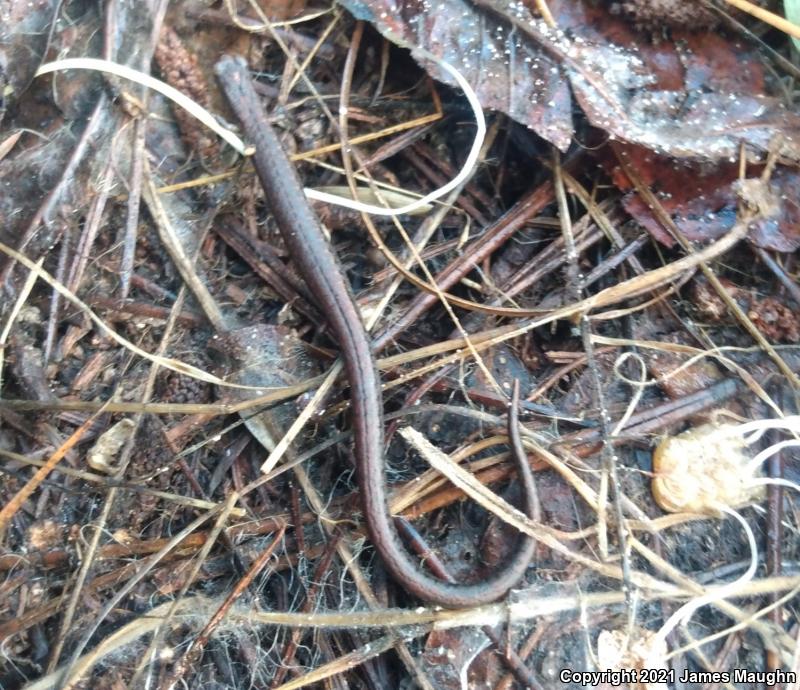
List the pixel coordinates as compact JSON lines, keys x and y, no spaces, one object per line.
{"x":318,"y":266}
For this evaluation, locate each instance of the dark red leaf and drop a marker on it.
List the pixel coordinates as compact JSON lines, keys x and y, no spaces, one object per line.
{"x":702,"y":199}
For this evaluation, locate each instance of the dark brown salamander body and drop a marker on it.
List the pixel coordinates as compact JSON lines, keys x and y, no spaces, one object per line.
{"x":316,"y":262}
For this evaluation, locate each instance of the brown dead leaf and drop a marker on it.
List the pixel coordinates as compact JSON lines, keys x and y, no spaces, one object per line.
{"x":689,"y":97}
{"x":508,"y":71}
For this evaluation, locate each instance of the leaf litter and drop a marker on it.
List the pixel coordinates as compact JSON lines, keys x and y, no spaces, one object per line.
{"x":520,"y":66}
{"x":679,"y":106}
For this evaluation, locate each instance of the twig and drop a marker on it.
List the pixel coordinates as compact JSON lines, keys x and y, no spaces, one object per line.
{"x":166,"y":362}
{"x":456,"y":185}
{"x":666,"y":221}
{"x":775,"y":493}
{"x":93,"y":131}
{"x":9,"y":509}
{"x":177,"y":252}
{"x":55,"y":298}
{"x":289,"y":651}
{"x":528,"y":607}
{"x":14,"y":312}
{"x":196,"y":648}
{"x":106,"y":481}
{"x":137,"y":149}
{"x":790,"y":285}
{"x":91,"y":226}
{"x":609,"y":456}
{"x":493,"y":237}
{"x":774,"y":20}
